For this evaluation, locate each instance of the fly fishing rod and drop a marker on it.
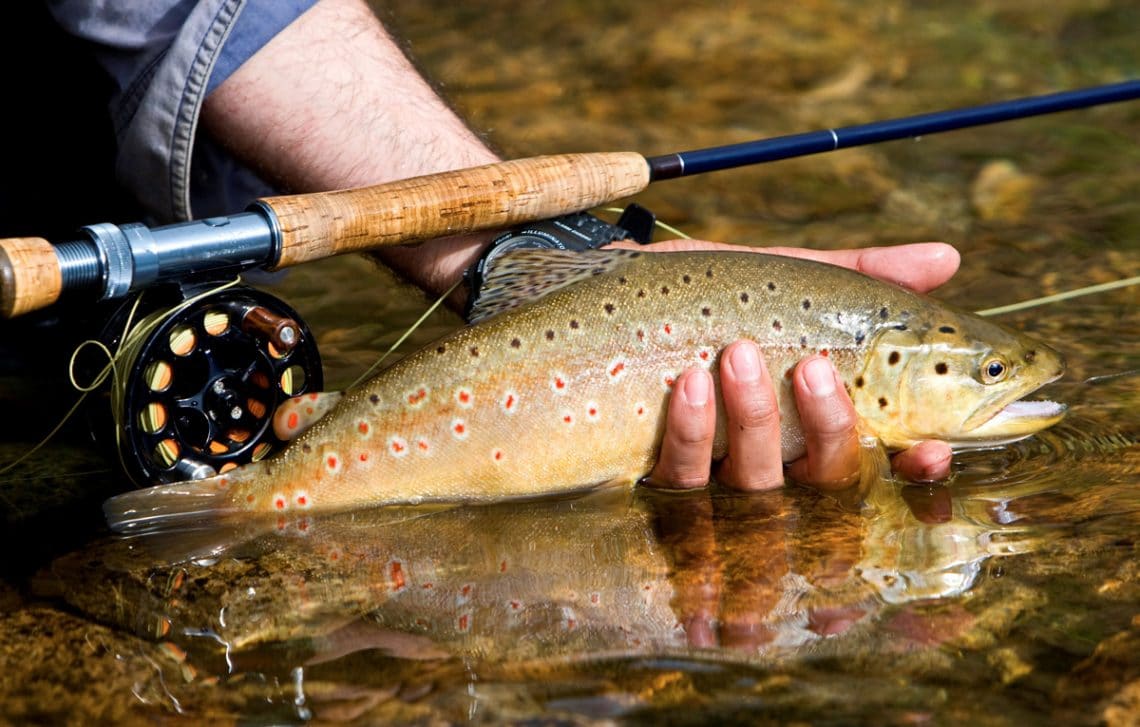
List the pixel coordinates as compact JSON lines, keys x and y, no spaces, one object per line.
{"x":201,"y":369}
{"x":111,"y":261}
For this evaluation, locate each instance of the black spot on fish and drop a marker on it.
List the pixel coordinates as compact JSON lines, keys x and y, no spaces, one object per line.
{"x":941,"y":367}
{"x":806,"y":304}
{"x":686,"y":279}
{"x":947,"y":329}
{"x":882,"y":402}
{"x":664,"y":290}
{"x":883,"y":313}
{"x":859,"y":382}
{"x":306,"y":448}
{"x":515,"y":343}
{"x":893,"y":358}
{"x":549,"y":335}
{"x":708,"y":273}
{"x":622,"y":280}
{"x":706,"y":311}
{"x":441,"y":350}
{"x":803,"y":341}
{"x":1030,"y":356}
{"x":635,"y":254}
{"x":609,"y":308}
{"x":776,"y":325}
{"x":900,"y":327}
{"x":574,"y":324}
{"x":641,"y":293}
{"x":744,"y":297}
{"x":475,"y":351}
{"x":859,"y":336}
{"x":375,"y":399}
{"x":771,"y":285}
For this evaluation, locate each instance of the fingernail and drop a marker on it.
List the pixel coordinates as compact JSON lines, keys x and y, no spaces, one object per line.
{"x":745,"y":363}
{"x":697,"y":388}
{"x":818,"y":377}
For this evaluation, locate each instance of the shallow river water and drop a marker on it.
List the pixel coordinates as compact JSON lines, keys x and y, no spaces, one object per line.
{"x":1008,"y":595}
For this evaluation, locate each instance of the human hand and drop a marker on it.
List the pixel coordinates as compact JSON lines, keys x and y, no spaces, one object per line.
{"x":828,"y":417}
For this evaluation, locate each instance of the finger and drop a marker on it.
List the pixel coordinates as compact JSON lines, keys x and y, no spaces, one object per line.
{"x":690,"y":424}
{"x":919,"y":266}
{"x":924,"y":462}
{"x":829,"y":427}
{"x":753,"y":421}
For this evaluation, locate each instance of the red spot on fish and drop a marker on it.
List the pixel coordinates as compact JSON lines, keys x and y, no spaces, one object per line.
{"x":249,"y":499}
{"x":293,"y":420}
{"x":497,"y":455}
{"x":668,"y":329}
{"x":503,"y":567}
{"x":417,"y":397}
{"x":640,"y":335}
{"x":559,"y":383}
{"x":223,"y":482}
{"x":302,"y":500}
{"x":422,"y":444}
{"x":398,"y":446}
{"x":824,"y":352}
{"x":396,"y":574}
{"x":428,"y":585}
{"x":464,"y":622}
{"x":309,"y":410}
{"x":363,"y":456}
{"x":465,"y":591}
{"x":332,"y":462}
{"x":334,"y":555}
{"x":617,"y":368}
{"x":669,"y":381}
{"x":281,"y":523}
{"x":595,"y":598}
{"x":567,"y":418}
{"x":509,"y":402}
{"x":362,"y":427}
{"x":312,"y":397}
{"x":303,"y":524}
{"x":464,"y":397}
{"x":279,"y":503}
{"x":704,"y":355}
{"x":640,"y":410}
{"x":515,"y":605}
{"x":459,"y":429}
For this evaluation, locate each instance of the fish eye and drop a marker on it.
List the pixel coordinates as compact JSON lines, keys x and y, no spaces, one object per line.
{"x":994,"y":370}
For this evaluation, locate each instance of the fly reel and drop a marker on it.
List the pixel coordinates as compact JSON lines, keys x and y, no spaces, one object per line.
{"x":200,"y":376}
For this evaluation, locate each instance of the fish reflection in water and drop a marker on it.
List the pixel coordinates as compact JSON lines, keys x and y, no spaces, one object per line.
{"x":762,"y":576}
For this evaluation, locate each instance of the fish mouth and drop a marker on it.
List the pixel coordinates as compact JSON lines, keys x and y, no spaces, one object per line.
{"x":1016,"y":420}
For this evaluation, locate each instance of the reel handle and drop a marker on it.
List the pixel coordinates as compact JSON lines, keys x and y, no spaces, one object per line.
{"x":30,"y":275}
{"x":493,"y":196}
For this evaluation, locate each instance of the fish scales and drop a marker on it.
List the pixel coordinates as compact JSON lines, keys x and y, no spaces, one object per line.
{"x":569,"y":389}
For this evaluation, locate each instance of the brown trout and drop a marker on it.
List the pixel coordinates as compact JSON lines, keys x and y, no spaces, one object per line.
{"x":563,"y":381}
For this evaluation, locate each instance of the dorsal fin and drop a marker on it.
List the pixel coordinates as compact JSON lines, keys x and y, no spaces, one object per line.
{"x":527,"y":274}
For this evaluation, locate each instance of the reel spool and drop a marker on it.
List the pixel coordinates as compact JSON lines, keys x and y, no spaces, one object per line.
{"x":198,"y":392}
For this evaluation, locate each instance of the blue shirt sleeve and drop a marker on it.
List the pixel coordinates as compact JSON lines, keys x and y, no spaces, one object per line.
{"x":257,"y":24}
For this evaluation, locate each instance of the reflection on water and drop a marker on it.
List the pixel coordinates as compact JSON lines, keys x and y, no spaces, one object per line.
{"x":1005,"y":596}
{"x":547,"y":594}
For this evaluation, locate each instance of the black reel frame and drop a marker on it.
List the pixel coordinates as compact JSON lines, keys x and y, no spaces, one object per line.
{"x":201,"y":391}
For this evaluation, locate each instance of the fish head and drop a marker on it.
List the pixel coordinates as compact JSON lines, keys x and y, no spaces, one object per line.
{"x":958,"y":378}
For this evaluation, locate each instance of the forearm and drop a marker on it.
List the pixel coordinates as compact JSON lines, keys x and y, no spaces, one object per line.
{"x":365,"y":118}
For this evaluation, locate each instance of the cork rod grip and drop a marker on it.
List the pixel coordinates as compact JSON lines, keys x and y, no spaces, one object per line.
{"x":30,"y":275}
{"x":494,"y":196}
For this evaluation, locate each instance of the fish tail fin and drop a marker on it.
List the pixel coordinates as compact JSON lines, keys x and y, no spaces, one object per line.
{"x":187,"y":504}
{"x":183,"y":521}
